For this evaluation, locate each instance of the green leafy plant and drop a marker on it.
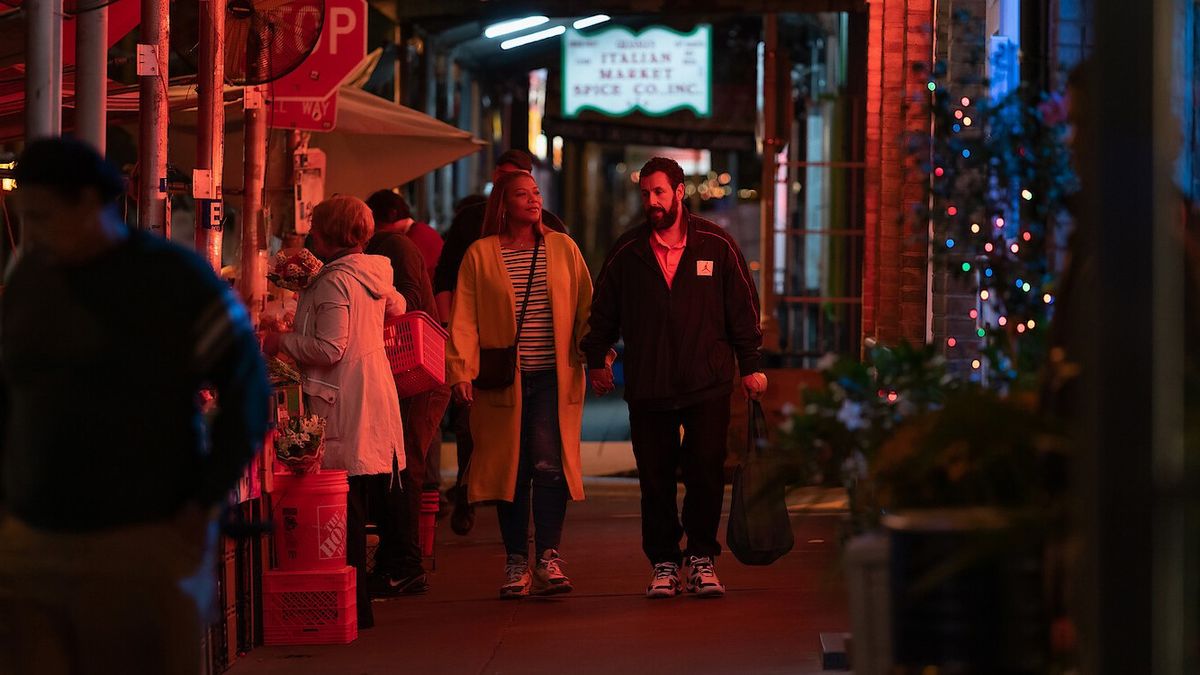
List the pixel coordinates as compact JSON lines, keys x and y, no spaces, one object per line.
{"x":844,"y":422}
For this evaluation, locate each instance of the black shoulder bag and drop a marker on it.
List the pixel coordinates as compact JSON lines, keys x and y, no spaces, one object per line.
{"x":498,"y":365}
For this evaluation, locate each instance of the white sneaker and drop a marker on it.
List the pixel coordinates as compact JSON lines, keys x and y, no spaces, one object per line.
{"x":702,"y":578}
{"x":548,"y":577}
{"x":665,"y":582}
{"x":516,"y":577}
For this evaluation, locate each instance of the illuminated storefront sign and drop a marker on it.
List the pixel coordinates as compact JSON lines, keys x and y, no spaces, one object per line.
{"x":656,"y":71}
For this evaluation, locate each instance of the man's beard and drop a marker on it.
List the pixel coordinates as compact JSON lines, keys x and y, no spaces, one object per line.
{"x":660,"y":219}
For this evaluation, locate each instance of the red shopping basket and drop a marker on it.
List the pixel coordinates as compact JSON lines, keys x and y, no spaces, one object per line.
{"x":416,"y":350}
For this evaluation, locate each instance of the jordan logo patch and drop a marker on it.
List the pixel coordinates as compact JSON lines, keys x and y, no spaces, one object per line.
{"x":704,"y":268}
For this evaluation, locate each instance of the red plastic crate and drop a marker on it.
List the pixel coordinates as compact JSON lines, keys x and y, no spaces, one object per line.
{"x":416,"y":350}
{"x":316,"y":607}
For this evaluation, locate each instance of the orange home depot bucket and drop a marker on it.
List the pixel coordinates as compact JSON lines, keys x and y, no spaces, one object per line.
{"x":309,"y":518}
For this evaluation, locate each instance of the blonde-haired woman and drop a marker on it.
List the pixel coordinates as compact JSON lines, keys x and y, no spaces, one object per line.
{"x":526,"y":434}
{"x":338,"y":345}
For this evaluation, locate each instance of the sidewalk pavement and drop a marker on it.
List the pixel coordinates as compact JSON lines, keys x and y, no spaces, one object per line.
{"x":768,"y":622}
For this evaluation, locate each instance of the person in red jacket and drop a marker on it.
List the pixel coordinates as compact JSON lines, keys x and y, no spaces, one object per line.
{"x":678,"y":291}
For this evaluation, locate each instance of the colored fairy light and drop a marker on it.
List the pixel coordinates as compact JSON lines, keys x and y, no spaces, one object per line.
{"x":1020,"y":328}
{"x":1027,"y":236}
{"x":965,"y":101}
{"x":1019,"y":282}
{"x":958,"y":114}
{"x":892,"y":396}
{"x":932,"y":86}
{"x":974,"y":314}
{"x":967,"y":121}
{"x":999,"y":221}
{"x":949,"y":243}
{"x":966,"y":267}
{"x":981,"y":332}
{"x":988,"y":247}
{"x":1047,"y":298}
{"x":988,"y":272}
{"x":952,"y":211}
{"x":1014,"y":248}
{"x":975,"y":364}
{"x":956,"y":127}
{"x":1031,"y":324}
{"x":951,"y":342}
{"x":939,"y":171}
{"x":966,"y":153}
{"x":984,"y":295}
{"x":1025,"y":287}
{"x":1026,"y":195}
{"x":1003,"y":321}
{"x":974,"y":228}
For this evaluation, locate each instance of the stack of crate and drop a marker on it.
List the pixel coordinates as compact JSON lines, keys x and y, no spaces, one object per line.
{"x":309,"y":607}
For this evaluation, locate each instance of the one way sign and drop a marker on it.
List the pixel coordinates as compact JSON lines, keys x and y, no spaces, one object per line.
{"x":305,"y":114}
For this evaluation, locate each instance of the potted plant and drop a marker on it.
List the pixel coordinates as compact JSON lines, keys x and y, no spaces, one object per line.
{"x":836,"y":436}
{"x":971,"y":492}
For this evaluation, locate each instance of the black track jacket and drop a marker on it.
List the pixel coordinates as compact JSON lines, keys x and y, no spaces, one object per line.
{"x":680,"y":341}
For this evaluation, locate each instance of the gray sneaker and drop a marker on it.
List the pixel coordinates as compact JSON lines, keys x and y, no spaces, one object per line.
{"x":702,"y":578}
{"x":665,"y":582}
{"x":548,"y":577}
{"x":516,"y":577}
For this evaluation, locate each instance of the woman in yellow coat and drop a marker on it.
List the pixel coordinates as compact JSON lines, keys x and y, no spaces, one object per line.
{"x":526,"y":435}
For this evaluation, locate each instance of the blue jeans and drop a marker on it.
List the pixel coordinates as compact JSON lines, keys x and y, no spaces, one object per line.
{"x":540,"y":480}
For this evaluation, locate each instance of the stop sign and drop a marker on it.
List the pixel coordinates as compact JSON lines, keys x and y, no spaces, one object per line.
{"x":341,"y":47}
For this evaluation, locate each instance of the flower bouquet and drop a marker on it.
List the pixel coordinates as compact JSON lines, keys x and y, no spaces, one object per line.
{"x":299,"y":443}
{"x":294,"y":269}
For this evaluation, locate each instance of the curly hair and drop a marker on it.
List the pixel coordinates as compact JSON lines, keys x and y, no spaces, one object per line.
{"x":666,"y":166}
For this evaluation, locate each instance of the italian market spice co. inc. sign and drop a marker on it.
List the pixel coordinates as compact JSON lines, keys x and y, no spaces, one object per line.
{"x":656,"y":71}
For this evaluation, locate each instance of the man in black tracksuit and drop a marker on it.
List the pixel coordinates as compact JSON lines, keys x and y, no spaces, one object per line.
{"x":678,"y":291}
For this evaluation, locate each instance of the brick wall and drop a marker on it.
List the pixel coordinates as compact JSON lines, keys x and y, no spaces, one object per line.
{"x":896,"y":272}
{"x":954,"y":296}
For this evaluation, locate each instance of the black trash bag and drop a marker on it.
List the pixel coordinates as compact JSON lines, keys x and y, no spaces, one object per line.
{"x":760,"y":531}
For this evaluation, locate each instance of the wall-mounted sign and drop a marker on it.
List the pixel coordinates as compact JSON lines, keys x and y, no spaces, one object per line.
{"x":656,"y":71}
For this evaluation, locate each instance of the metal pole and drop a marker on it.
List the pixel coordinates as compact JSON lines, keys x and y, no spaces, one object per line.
{"x":152,"y":140}
{"x":210,"y":137}
{"x":398,"y":65}
{"x":91,"y":72}
{"x":252,"y":280}
{"x":771,"y":144}
{"x":43,"y":78}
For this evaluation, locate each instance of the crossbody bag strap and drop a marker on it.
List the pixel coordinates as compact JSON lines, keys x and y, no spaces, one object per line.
{"x":528,"y":288}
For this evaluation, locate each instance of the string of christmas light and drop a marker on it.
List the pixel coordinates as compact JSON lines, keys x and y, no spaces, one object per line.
{"x":1001,"y":162}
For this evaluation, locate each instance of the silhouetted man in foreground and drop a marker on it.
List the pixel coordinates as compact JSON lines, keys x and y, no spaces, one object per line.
{"x":108,"y":479}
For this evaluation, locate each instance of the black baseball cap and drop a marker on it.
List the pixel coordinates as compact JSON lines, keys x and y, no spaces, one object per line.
{"x":68,"y":165}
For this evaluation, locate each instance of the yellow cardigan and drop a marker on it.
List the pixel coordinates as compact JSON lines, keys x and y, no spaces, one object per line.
{"x":484,"y":316}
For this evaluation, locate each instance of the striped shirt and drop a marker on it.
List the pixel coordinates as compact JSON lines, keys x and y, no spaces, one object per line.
{"x":536,"y":346}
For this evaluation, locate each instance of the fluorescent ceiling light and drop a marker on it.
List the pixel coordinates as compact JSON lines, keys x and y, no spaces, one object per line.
{"x":506,"y":27}
{"x":533,"y":37}
{"x":590,"y":21}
